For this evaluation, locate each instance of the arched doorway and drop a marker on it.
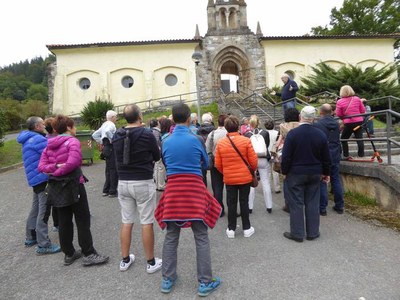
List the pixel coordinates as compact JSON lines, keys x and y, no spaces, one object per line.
{"x":230,"y":77}
{"x":231,"y":64}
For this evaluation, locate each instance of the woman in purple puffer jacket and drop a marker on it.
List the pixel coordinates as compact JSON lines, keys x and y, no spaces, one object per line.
{"x":61,"y":160}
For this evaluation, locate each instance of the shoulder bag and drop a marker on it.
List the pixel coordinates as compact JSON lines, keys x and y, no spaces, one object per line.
{"x":254,"y":182}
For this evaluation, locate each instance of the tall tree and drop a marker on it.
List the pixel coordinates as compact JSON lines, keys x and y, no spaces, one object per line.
{"x":363,"y":17}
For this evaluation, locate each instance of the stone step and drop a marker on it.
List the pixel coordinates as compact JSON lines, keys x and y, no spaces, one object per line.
{"x":370,"y":152}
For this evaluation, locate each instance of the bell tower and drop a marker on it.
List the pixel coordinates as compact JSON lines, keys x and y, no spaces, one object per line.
{"x":226,"y":17}
{"x":232,"y":56}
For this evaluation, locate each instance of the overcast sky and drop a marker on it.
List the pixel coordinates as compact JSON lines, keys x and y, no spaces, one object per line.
{"x":27,"y":26}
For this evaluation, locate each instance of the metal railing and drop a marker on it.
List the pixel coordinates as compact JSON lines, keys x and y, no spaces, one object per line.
{"x":388,"y":113}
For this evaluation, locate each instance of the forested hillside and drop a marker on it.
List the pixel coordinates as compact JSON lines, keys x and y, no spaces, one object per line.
{"x":25,"y":80}
{"x":23,"y":92}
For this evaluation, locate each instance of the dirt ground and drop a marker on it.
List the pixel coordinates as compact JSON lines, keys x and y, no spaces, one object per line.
{"x":375,"y":214}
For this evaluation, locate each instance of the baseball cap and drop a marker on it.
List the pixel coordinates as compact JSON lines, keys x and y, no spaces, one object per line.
{"x":308,"y":112}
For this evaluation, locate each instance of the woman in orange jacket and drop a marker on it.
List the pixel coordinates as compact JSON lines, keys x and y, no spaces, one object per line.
{"x":237,"y":176}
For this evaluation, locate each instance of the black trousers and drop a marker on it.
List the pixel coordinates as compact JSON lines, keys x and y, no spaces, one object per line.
{"x":111,"y":183}
{"x":80,"y":211}
{"x":217,"y":183}
{"x":53,"y":213}
{"x":232,"y":194}
{"x":347,"y":132}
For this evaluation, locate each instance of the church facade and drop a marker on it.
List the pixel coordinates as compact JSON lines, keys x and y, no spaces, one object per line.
{"x":138,"y":71}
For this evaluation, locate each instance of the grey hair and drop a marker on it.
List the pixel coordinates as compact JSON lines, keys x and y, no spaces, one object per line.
{"x":32,"y":121}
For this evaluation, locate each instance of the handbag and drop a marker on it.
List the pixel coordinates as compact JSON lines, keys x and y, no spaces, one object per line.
{"x":278,"y":156}
{"x":254,"y":182}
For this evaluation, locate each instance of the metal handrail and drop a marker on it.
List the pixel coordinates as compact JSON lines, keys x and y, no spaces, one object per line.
{"x":389,"y":141}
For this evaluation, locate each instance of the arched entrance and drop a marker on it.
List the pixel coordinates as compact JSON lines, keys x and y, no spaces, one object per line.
{"x":231,"y":70}
{"x":230,"y":77}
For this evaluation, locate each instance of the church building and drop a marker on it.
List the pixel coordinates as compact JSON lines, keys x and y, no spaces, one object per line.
{"x":230,"y":57}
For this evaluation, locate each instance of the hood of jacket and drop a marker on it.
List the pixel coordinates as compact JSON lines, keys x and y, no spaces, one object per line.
{"x":26,"y":135}
{"x":33,"y":144}
{"x":55,"y":143}
{"x":206,"y":128}
{"x":329,"y":123}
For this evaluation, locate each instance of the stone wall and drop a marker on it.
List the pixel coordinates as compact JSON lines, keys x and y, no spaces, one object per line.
{"x":379,"y":182}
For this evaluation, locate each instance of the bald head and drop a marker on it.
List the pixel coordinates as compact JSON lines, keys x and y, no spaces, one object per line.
{"x":132,"y":114}
{"x":325,"y":110}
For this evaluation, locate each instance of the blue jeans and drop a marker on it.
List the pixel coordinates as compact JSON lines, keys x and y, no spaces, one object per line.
{"x":290,"y":104}
{"x":303,"y":194}
{"x":370,"y":127}
{"x":336,"y":187}
{"x":35,"y":221}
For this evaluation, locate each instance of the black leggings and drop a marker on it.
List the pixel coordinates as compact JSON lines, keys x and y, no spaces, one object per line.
{"x":347,"y":132}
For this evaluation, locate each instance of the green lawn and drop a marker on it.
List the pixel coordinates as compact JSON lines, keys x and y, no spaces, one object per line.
{"x":10,"y":153}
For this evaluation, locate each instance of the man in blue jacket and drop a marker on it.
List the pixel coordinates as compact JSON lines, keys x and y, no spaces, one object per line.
{"x":33,"y":143}
{"x":305,"y":162}
{"x":288,"y":91}
{"x":331,"y":129}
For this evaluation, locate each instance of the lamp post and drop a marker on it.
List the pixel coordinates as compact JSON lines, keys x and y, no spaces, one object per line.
{"x":196,"y":57}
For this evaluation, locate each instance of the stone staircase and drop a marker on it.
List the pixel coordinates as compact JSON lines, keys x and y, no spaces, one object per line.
{"x":245,"y":107}
{"x":381,"y":146}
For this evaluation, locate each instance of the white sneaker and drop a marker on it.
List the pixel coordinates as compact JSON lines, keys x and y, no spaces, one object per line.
{"x":123,"y":266}
{"x":157,"y":266}
{"x":248,"y":232}
{"x":230,"y":233}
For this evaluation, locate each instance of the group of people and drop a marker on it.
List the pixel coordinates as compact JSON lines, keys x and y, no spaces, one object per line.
{"x":173,"y":156}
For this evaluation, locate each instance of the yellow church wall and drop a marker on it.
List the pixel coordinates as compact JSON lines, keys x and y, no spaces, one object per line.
{"x":300,"y":55}
{"x":105,"y":67}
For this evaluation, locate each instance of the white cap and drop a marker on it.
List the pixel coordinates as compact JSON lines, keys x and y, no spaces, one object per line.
{"x":308,"y":112}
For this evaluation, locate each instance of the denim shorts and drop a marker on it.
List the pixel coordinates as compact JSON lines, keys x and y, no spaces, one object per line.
{"x":137,"y":195}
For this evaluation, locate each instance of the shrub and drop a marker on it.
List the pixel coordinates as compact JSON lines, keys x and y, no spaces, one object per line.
{"x":94,"y":113}
{"x":2,"y":126}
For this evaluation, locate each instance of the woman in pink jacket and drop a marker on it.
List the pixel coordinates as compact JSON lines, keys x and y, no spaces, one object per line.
{"x":349,"y":105}
{"x":62,"y":159}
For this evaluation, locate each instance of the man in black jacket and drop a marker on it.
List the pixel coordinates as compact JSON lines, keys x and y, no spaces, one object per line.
{"x":288,"y":91}
{"x":331,"y":129}
{"x":305,"y":162}
{"x":136,"y":150}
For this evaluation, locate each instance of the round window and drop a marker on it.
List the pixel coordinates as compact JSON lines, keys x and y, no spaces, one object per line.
{"x":127,"y":82}
{"x":84,"y":83}
{"x":171,"y":80}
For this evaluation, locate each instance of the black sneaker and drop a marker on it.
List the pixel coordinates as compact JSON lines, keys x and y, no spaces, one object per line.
{"x":323,"y":213}
{"x":94,"y":259}
{"x":68,"y":260}
{"x":338,"y":210}
{"x":289,"y":236}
